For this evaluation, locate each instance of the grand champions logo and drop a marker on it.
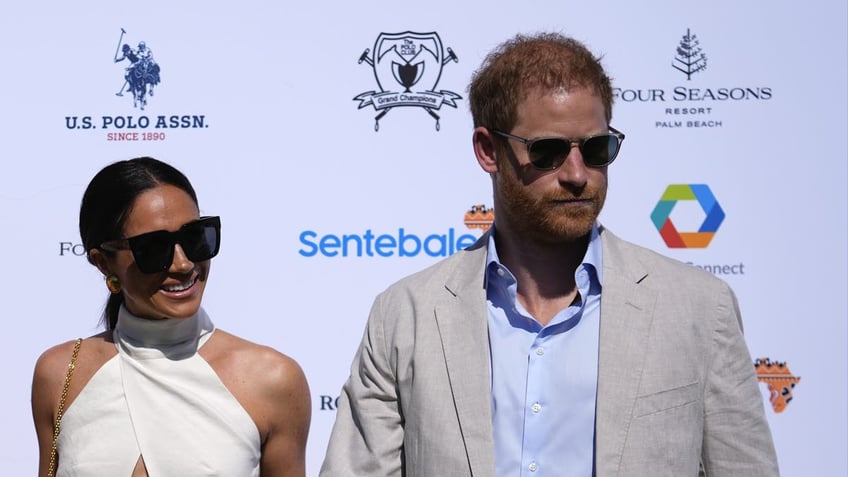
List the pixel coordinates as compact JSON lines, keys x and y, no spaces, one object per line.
{"x":407,"y":67}
{"x":692,"y":103}
{"x":139,"y":75}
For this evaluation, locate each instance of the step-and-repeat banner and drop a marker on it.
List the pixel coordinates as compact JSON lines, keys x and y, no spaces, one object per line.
{"x":336,"y":174}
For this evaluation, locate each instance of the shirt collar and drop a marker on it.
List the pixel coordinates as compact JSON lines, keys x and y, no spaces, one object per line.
{"x":593,"y":257}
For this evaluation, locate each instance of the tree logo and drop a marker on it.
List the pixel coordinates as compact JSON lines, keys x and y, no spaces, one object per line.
{"x":690,"y":58}
{"x":407,"y":67}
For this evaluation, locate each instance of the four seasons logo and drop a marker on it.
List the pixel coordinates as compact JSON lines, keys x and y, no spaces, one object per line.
{"x":697,"y":102}
{"x":690,"y":59}
{"x":407,"y":67}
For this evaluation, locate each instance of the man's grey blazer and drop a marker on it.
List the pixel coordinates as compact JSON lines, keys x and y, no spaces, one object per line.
{"x":676,"y":384}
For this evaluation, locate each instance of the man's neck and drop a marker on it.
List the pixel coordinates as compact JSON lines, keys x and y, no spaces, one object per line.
{"x":544,"y":272}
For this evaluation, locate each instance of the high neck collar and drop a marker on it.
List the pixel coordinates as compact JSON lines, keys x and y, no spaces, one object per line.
{"x":173,"y":338}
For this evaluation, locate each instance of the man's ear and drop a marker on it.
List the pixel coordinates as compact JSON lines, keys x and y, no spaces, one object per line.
{"x":484,"y":149}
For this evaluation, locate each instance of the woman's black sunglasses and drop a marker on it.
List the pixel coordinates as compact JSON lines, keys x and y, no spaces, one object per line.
{"x":153,"y":252}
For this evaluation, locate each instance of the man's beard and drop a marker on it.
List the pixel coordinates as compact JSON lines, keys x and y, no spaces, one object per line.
{"x":541,"y":219}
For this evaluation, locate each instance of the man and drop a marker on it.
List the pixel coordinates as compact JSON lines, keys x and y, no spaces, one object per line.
{"x":127,"y":54}
{"x":551,"y":347}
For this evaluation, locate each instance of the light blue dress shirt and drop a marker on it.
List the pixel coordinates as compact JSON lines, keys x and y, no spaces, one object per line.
{"x":544,"y":379}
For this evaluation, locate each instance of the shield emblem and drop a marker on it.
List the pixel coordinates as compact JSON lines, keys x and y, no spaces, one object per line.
{"x":408,"y":61}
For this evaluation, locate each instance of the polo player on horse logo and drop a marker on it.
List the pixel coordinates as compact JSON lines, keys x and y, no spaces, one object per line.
{"x":141,"y":75}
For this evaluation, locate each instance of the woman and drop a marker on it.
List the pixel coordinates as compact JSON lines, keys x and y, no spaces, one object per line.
{"x":162,"y":391}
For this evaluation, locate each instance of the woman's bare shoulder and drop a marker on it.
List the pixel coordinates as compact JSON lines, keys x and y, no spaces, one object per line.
{"x":261,"y":364}
{"x":51,"y":368}
{"x":59,"y":356}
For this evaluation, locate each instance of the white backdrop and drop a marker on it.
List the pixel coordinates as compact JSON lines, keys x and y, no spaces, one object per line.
{"x":283,"y":149}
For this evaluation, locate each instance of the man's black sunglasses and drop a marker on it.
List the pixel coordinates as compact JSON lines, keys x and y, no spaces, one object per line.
{"x":153,"y":252}
{"x":548,"y":153}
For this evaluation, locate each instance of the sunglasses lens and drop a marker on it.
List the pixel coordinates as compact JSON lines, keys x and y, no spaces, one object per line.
{"x":153,"y":252}
{"x":599,"y":151}
{"x":549,"y":153}
{"x":202,"y":239}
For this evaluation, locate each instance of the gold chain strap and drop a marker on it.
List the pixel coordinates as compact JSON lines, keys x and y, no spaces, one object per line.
{"x":61,"y":411}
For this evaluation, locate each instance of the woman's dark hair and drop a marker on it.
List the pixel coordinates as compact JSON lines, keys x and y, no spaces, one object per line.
{"x":108,"y":201}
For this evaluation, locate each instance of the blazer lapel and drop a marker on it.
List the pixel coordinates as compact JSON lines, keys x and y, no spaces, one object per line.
{"x":626,"y":313}
{"x":463,"y":327}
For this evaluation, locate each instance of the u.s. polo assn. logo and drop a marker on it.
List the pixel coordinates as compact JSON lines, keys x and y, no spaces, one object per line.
{"x":139,"y":75}
{"x":407,"y":67}
{"x":142,"y":73}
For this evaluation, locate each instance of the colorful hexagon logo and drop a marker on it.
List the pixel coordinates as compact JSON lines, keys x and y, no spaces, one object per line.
{"x":662,"y":213}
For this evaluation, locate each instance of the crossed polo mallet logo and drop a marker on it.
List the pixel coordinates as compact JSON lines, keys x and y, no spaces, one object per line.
{"x":403,"y":58}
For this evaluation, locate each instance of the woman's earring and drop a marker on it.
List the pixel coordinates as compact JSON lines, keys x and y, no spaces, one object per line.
{"x":113,"y":284}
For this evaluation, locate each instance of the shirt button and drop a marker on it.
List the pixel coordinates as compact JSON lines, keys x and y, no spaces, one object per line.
{"x":532,"y":467}
{"x":501,"y":272}
{"x":536,"y":407}
{"x":540,"y":351}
